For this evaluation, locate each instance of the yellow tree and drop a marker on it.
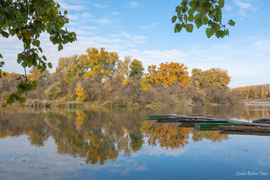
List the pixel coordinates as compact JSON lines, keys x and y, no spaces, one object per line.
{"x":39,"y":77}
{"x":69,"y":67}
{"x":167,"y":73}
{"x":101,"y":65}
{"x":80,"y":93}
{"x":216,"y":77}
{"x":123,"y":66}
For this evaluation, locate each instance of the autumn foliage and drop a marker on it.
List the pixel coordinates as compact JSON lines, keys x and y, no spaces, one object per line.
{"x":101,"y":78}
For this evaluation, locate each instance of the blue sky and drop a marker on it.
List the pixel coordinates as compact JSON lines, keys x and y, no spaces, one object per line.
{"x":143,"y":30}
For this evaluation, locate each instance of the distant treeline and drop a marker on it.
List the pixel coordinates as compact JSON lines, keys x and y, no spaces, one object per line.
{"x":99,"y":77}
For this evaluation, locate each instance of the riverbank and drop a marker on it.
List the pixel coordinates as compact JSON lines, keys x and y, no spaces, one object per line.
{"x":255,"y":102}
{"x":72,"y":104}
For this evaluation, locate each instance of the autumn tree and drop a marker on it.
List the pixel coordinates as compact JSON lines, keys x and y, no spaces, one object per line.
{"x":54,"y":91}
{"x":70,"y":67}
{"x":167,"y":73}
{"x":136,"y":69}
{"x":41,"y":78}
{"x":124,"y":66}
{"x":216,"y":77}
{"x":101,"y":64}
{"x":80,"y":93}
{"x":27,"y":20}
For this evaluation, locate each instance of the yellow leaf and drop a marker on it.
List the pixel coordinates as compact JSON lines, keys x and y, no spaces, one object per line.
{"x":7,"y":97}
{"x":19,"y":35}
{"x":27,"y":35}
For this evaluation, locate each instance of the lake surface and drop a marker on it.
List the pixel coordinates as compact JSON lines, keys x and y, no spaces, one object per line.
{"x":120,"y":144}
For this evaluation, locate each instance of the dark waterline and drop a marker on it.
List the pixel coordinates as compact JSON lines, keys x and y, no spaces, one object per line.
{"x":119,"y":144}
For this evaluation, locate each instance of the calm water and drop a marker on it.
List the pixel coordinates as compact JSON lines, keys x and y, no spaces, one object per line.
{"x":120,"y":144}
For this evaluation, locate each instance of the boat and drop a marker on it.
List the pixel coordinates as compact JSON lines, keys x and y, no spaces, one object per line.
{"x":266,"y":121}
{"x":191,"y":121}
{"x":260,"y":129}
{"x":232,"y":132}
{"x":210,"y":125}
{"x":156,"y":117}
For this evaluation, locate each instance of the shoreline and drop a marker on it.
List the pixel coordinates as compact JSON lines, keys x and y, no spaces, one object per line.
{"x":79,"y":104}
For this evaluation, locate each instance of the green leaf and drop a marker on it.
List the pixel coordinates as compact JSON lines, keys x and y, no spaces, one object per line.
{"x":231,"y":22}
{"x":12,"y":32}
{"x":206,"y":6}
{"x":65,"y":12}
{"x":198,"y":23}
{"x":191,"y":11}
{"x":220,"y":33}
{"x":189,"y":27}
{"x":50,"y":65}
{"x":36,"y":43}
{"x":177,"y":9}
{"x":177,"y":28}
{"x":5,"y":34}
{"x":215,"y":26}
{"x":44,"y":57}
{"x":209,"y":32}
{"x":205,"y":20}
{"x":24,"y":64}
{"x":174,"y":19}
{"x":40,"y":49}
{"x":221,"y":3}
{"x":60,"y":47}
{"x":1,"y":56}
{"x":190,"y":18}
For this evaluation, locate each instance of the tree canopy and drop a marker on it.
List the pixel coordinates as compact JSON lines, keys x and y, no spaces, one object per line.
{"x":28,"y":19}
{"x":167,"y":73}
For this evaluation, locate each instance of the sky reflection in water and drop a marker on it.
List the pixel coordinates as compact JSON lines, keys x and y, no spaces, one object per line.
{"x":120,"y":144}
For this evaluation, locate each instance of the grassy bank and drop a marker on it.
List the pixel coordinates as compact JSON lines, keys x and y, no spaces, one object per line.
{"x":72,"y":104}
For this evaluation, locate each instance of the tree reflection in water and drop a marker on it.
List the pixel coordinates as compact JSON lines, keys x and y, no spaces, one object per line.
{"x":100,"y":135}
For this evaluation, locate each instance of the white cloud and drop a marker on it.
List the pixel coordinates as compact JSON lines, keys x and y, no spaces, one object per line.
{"x":130,"y":45}
{"x":87,"y":15}
{"x":102,"y":21}
{"x":227,"y":7}
{"x":73,"y":17}
{"x":132,"y":4}
{"x":141,"y":37}
{"x":82,"y":32}
{"x":126,"y":35}
{"x":243,"y":7}
{"x":69,"y":6}
{"x":168,"y":54}
{"x":89,"y":27}
{"x":148,"y":27}
{"x":138,"y":37}
{"x":100,"y":6}
{"x":79,"y":16}
{"x":116,"y":13}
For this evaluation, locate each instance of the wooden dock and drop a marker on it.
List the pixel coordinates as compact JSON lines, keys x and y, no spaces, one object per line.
{"x":219,"y":119}
{"x":260,"y":128}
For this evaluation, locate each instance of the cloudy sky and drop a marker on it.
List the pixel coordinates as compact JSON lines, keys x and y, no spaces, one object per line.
{"x":143,"y":30}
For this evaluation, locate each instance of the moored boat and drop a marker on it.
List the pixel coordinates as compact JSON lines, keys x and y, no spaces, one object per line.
{"x":210,"y":125}
{"x":156,"y":117}
{"x":266,"y":121}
